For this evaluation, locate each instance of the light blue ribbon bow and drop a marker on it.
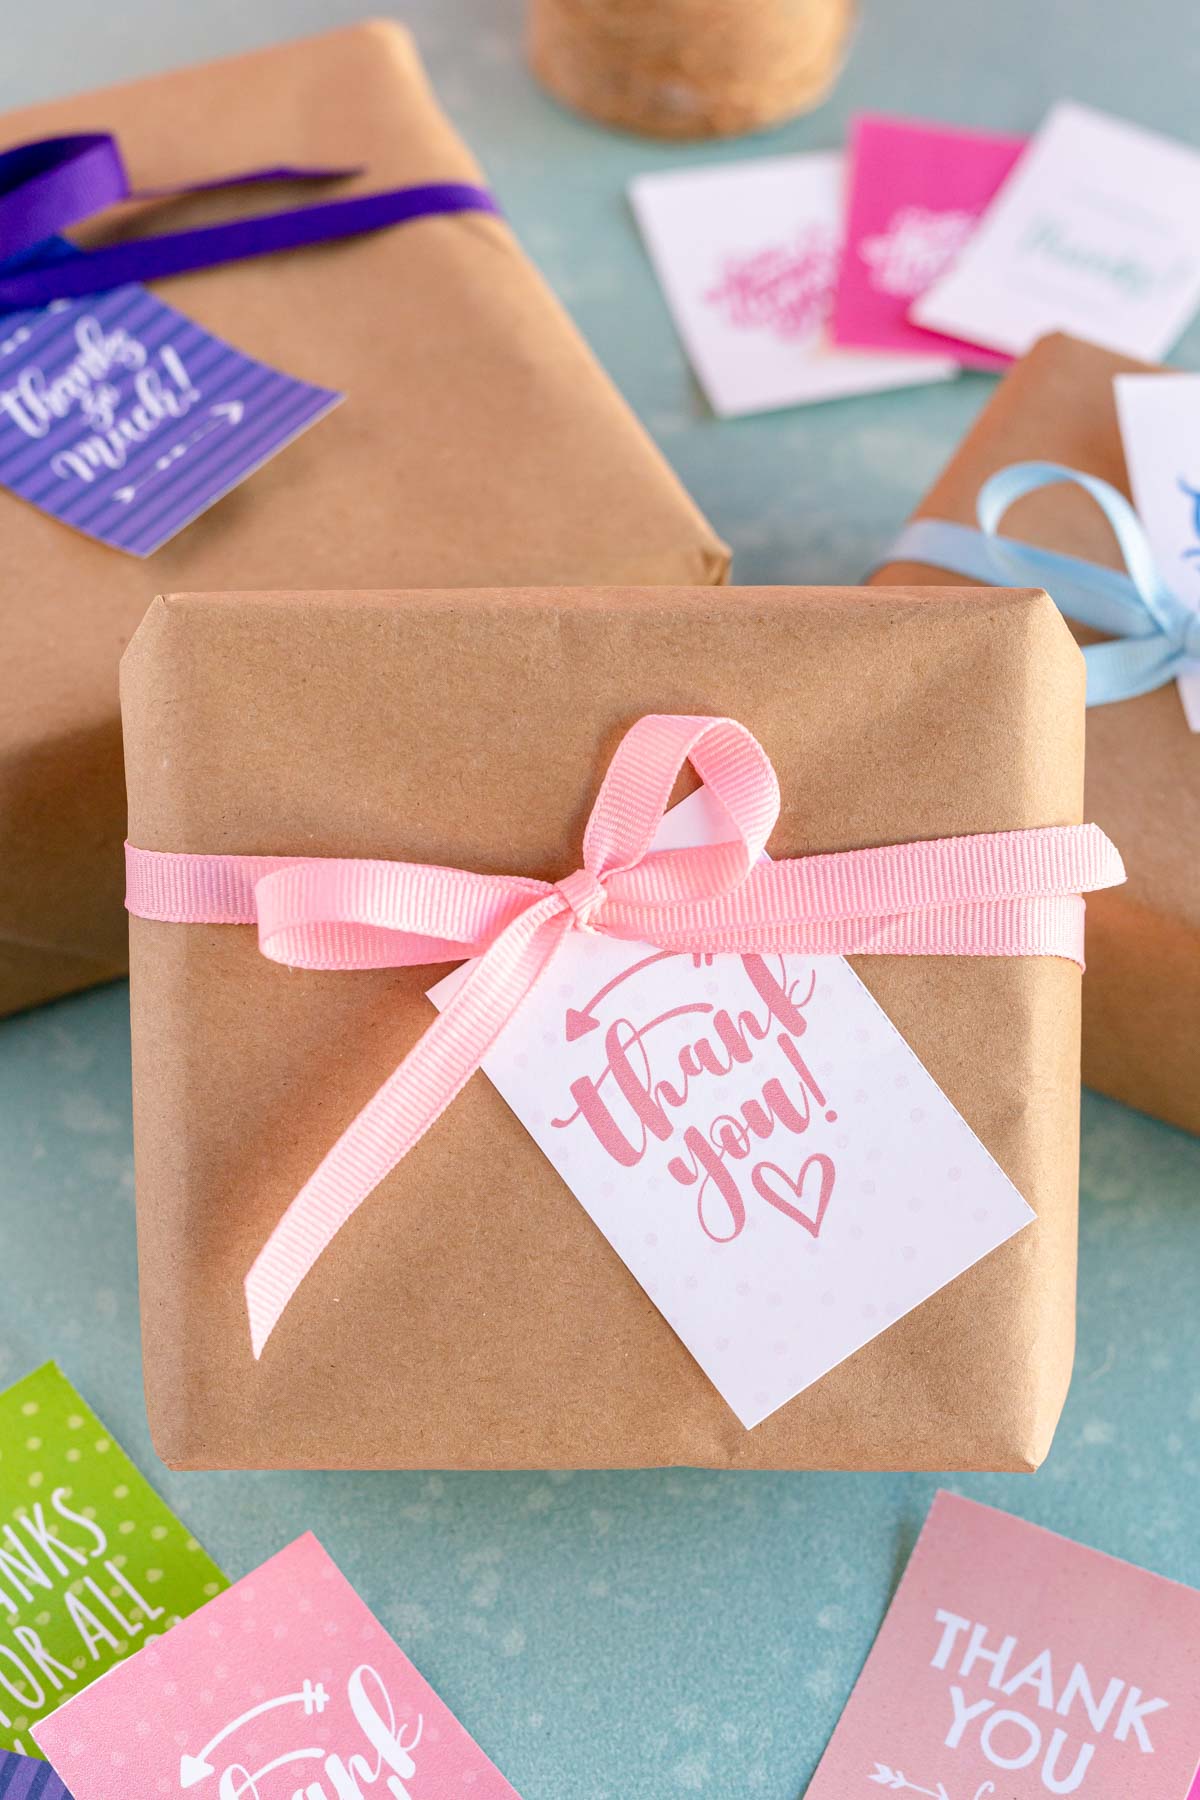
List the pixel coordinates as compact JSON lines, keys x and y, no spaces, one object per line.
{"x":1154,"y":633}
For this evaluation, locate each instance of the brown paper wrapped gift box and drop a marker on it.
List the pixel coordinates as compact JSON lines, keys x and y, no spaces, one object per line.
{"x":479,"y":443}
{"x":1141,"y":1009}
{"x":471,"y":1315}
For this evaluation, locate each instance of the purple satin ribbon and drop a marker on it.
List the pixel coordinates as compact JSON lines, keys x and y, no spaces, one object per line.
{"x":57,"y":182}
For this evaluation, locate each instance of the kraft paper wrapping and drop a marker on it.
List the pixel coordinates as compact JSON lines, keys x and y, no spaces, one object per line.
{"x":471,"y":1315}
{"x":1141,"y":1010}
{"x":479,"y":442}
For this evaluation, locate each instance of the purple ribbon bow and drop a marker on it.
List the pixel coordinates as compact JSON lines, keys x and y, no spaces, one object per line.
{"x":57,"y":182}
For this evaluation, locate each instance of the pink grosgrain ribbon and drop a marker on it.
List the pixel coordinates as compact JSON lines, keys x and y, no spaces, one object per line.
{"x":1007,"y":893}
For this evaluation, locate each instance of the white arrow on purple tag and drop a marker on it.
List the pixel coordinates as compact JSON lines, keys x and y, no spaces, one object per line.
{"x":222,"y":416}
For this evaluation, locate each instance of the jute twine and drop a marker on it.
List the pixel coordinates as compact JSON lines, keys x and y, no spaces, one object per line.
{"x":688,"y":68}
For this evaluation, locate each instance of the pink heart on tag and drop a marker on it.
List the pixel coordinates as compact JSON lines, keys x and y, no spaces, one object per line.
{"x":769,"y":1177}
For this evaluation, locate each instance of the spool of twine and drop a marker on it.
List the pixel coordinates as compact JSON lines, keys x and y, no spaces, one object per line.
{"x":688,"y":68}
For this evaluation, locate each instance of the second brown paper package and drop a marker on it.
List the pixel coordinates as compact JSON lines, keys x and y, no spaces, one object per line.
{"x":1141,"y":1010}
{"x":478,"y":441}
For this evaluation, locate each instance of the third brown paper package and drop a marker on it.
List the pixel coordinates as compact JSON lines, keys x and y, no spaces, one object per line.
{"x":471,"y":1314}
{"x":1141,"y":1010}
{"x":478,"y":441}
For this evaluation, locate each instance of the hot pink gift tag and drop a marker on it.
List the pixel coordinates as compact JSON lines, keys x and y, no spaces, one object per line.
{"x":286,"y":1687}
{"x":1014,"y":1664}
{"x":916,"y":191}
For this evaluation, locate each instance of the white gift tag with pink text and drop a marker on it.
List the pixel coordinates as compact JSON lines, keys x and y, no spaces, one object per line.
{"x":756,"y":1141}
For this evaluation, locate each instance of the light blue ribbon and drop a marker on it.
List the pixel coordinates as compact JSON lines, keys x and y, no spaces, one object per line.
{"x":1154,"y":633}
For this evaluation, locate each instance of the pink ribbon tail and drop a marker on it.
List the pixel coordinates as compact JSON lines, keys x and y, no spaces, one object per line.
{"x":1014,"y":893}
{"x":432,"y":1074}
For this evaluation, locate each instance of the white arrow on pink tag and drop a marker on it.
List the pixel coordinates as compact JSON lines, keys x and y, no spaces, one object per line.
{"x":756,"y":1141}
{"x":194,"y":1769}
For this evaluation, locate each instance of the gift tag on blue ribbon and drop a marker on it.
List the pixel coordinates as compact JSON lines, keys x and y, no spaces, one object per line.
{"x":125,"y":419}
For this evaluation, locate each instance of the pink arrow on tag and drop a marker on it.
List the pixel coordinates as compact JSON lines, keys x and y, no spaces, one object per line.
{"x":578,"y":1024}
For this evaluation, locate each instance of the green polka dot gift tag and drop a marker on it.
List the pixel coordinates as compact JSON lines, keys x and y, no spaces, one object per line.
{"x":92,"y":1563}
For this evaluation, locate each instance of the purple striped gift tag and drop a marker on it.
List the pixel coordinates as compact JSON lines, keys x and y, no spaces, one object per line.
{"x":123,"y":418}
{"x":21,"y":1778}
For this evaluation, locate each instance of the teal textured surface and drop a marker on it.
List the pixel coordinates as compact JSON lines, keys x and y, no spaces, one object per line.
{"x":647,"y":1635}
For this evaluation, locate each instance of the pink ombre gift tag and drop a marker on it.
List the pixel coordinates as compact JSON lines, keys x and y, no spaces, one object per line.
{"x":1014,"y":1664}
{"x":916,"y":191}
{"x":286,"y":1685}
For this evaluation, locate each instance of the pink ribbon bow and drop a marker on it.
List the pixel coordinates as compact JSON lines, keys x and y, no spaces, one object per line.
{"x":1010,"y":893}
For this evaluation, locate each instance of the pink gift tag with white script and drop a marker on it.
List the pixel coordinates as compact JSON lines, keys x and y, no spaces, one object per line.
{"x":1014,"y":1664}
{"x":916,"y":191}
{"x":756,"y":1141}
{"x":285,"y":1686}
